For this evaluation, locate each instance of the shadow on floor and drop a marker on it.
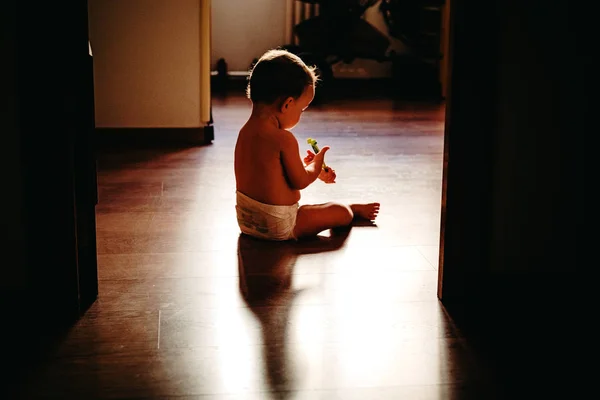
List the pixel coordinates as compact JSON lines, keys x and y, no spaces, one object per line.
{"x":265,"y":283}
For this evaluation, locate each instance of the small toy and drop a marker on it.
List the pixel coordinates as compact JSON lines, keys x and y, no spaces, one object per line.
{"x":315,"y":148}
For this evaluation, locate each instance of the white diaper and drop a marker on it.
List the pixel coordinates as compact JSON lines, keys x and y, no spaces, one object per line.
{"x":265,"y":221}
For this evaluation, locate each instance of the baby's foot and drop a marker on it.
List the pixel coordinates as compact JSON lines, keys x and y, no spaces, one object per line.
{"x":365,"y":211}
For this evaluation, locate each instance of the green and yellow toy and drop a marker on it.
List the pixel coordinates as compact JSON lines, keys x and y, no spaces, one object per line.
{"x":313,"y":144}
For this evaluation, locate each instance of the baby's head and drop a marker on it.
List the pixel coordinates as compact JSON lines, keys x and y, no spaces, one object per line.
{"x":282,"y":80}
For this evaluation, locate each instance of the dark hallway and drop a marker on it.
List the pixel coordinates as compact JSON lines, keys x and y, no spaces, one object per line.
{"x":183,"y":312}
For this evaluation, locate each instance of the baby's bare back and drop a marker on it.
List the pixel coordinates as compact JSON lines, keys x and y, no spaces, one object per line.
{"x":259,"y":172}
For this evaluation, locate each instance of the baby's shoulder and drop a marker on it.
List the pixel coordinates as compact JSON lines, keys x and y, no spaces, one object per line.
{"x":282,"y":135}
{"x":266,"y":137}
{"x":273,"y":134}
{"x":282,"y":139}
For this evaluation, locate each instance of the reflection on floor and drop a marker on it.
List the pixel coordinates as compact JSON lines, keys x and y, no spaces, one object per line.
{"x":190,"y":308}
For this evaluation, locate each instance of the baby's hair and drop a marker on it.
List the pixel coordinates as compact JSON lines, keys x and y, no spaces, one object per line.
{"x":277,"y":75}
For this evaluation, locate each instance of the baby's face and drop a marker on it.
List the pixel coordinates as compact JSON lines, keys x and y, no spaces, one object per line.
{"x":291,"y":115}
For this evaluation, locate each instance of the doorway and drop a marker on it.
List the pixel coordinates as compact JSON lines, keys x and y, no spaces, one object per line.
{"x":419,"y":125}
{"x":235,"y":47}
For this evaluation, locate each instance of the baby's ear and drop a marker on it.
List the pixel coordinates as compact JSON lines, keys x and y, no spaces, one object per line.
{"x":286,"y":104}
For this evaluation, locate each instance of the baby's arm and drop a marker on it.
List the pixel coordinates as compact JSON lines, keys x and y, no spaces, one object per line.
{"x":299,"y":175}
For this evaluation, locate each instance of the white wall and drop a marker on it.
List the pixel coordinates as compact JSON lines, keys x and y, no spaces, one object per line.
{"x":244,"y":29}
{"x":146,"y":62}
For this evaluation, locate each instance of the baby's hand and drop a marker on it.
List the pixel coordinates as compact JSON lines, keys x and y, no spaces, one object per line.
{"x":327,"y":175}
{"x":310,"y":156}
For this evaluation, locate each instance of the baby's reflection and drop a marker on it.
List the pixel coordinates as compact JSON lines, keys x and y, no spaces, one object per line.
{"x":265,"y":280}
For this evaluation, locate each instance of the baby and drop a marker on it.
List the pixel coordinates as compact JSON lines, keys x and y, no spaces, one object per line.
{"x":269,"y":171}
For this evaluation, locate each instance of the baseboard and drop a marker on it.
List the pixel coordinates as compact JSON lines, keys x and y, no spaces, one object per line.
{"x":336,"y":88}
{"x":238,"y":81}
{"x":341,"y":88}
{"x":154,"y":137}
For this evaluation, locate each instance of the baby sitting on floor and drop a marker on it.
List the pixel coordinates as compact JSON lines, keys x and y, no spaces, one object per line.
{"x":269,"y":170}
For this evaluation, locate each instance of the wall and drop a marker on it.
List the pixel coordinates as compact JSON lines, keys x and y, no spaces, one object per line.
{"x":13,"y":275}
{"x":242,"y":30}
{"x":522,"y":109}
{"x":514,"y":262}
{"x":538,"y":162}
{"x":45,"y":114}
{"x":146,"y":62}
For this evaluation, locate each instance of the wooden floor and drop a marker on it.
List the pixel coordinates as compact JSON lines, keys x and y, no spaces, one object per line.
{"x":190,"y":310}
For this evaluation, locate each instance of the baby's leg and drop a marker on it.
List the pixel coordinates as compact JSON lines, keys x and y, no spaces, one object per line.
{"x":314,"y":219}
